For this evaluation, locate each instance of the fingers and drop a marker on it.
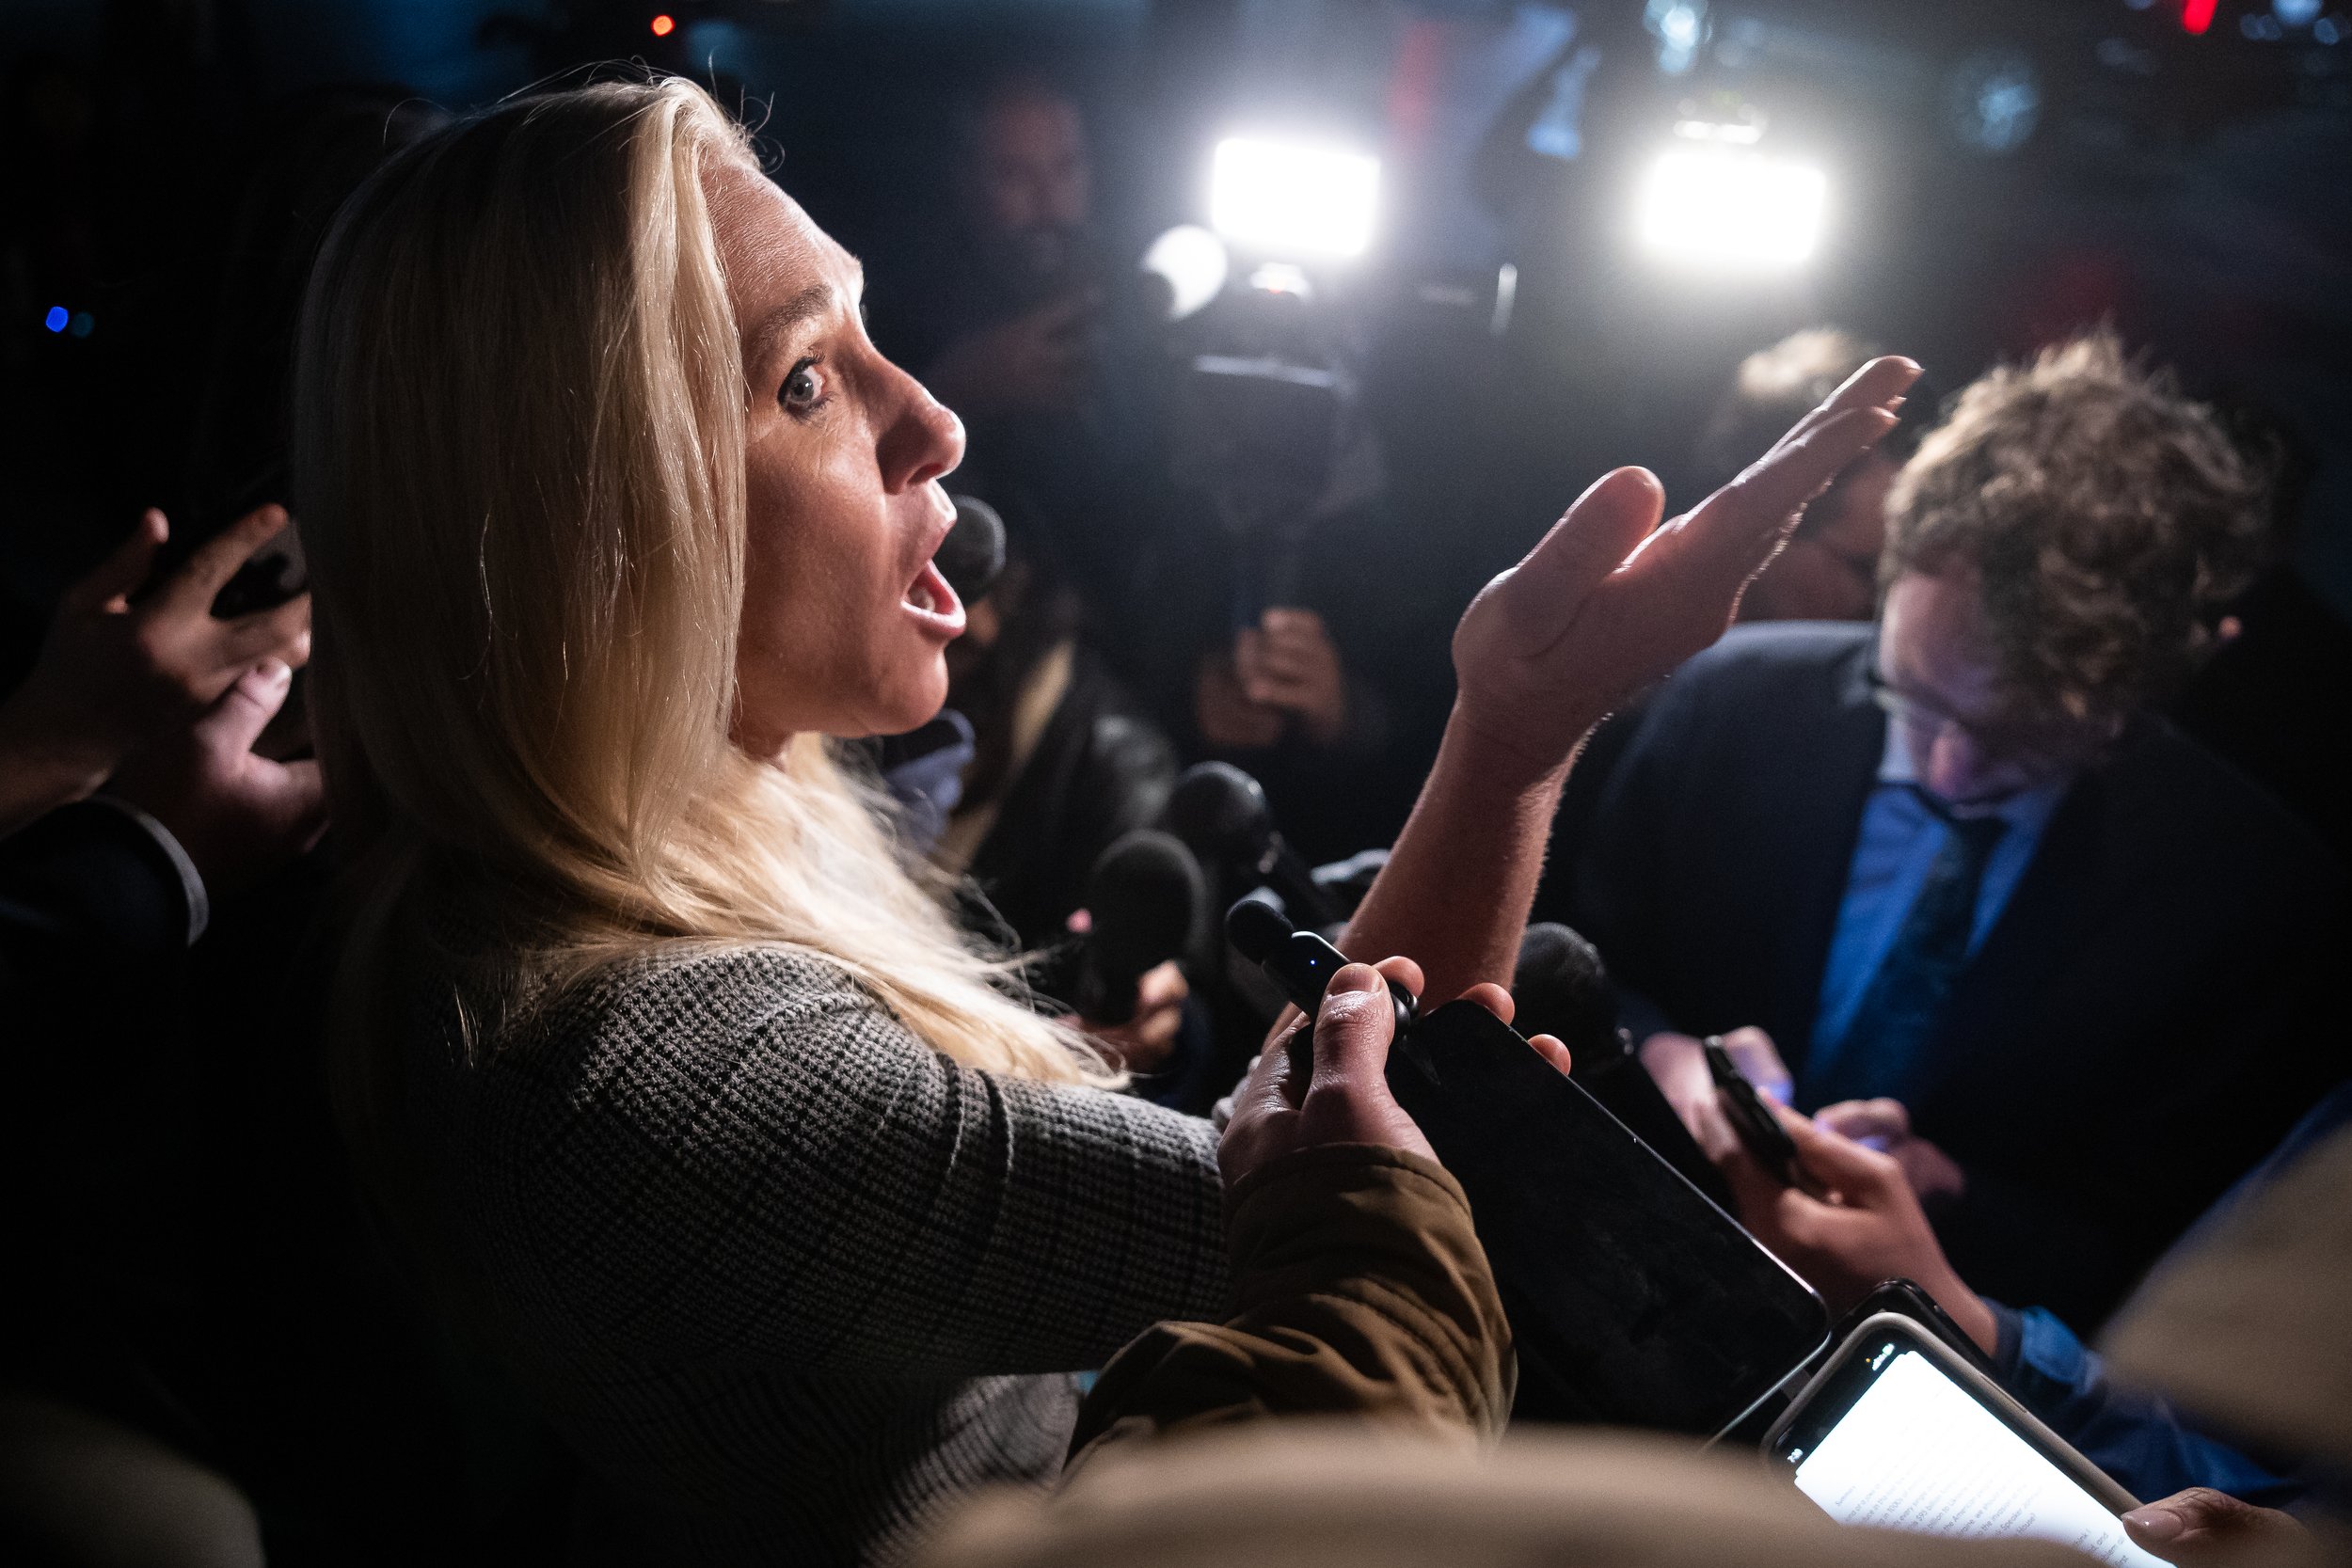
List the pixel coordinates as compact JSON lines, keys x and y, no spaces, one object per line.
{"x":1494,"y":998}
{"x":1840,"y":1163}
{"x":1553,"y":1049}
{"x":1737,"y":524}
{"x":236,"y":720}
{"x":125,"y":569}
{"x":2202,"y":1526}
{"x":282,"y":633}
{"x":1161,"y":985}
{"x":1405,"y":971}
{"x":1865,"y":1119}
{"x":1878,"y":384}
{"x":208,"y":571}
{"x":1352,"y":1029}
{"x":1595,"y":536}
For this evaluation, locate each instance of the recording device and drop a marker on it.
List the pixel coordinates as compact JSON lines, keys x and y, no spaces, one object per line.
{"x":1759,"y":1130}
{"x":1896,"y":1430}
{"x":1147,"y":902}
{"x":1301,"y":962}
{"x":972,"y":555}
{"x":1633,"y":1301}
{"x":1562,"y":987}
{"x":1222,"y":815}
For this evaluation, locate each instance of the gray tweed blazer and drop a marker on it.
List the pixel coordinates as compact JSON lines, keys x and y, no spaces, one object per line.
{"x":787,"y":1278}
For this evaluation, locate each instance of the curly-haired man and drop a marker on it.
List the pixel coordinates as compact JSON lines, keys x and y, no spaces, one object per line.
{"x":1994,"y":913}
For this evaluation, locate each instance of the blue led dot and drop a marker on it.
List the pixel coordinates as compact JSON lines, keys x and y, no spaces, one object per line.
{"x":56,"y":318}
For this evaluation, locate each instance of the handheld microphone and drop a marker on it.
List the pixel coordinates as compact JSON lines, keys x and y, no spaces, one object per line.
{"x":973,"y":554}
{"x":1561,"y":987}
{"x":1146,"y":898}
{"x":1222,"y":814}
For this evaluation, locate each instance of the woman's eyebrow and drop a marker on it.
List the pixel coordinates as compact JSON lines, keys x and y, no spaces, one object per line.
{"x":792,"y":314}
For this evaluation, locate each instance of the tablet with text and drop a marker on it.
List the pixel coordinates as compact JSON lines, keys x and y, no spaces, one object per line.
{"x":1898,"y":1432}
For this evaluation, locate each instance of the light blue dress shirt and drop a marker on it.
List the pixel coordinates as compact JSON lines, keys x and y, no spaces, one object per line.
{"x":1899,"y":843}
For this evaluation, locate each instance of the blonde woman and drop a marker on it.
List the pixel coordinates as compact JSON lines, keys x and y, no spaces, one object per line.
{"x":792,"y":1214}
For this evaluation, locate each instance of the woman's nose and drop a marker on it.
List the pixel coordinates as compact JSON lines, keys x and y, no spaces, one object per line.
{"x":924,"y":442}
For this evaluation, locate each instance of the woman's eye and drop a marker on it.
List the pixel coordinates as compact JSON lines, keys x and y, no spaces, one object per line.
{"x":803,"y":388}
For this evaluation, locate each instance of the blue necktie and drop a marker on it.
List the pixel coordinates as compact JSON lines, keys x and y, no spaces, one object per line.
{"x":1905,"y":999}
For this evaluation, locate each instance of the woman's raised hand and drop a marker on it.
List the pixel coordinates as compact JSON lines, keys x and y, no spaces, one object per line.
{"x":1608,"y":601}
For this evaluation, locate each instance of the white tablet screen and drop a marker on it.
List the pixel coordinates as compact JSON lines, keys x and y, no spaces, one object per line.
{"x":1915,"y":1452}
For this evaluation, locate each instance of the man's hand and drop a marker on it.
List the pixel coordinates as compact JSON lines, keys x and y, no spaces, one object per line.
{"x":2202,"y":1527}
{"x":1609,"y":601}
{"x":1288,"y":663}
{"x":1677,"y":1062}
{"x":238,"y":816}
{"x":114,"y":675}
{"x":1147,"y":1040}
{"x":1885,"y":1124}
{"x":1038,"y":361}
{"x":1227,"y":719}
{"x":1345,"y":1099}
{"x":1867,"y":1227}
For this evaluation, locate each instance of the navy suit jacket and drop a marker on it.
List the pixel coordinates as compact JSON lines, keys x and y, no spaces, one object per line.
{"x":2135,"y":1030}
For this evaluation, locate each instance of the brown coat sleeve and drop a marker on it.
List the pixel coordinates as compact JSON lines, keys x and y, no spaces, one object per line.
{"x":1363,"y":1290}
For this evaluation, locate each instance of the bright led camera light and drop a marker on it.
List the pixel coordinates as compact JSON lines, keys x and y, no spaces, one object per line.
{"x":1729,"y":210}
{"x":1291,"y":199}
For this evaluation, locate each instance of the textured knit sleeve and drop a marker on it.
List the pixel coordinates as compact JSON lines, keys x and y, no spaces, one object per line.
{"x":743,"y":1159}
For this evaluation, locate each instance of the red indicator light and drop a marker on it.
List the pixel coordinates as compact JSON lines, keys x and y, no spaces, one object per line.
{"x":664,"y":25}
{"x":2197,"y":15}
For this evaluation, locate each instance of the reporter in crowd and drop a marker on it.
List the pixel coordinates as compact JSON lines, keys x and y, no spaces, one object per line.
{"x":790,"y":1217}
{"x":157,"y":703}
{"x":1956,"y":860}
{"x":130,"y":797}
{"x":1865,"y":1224}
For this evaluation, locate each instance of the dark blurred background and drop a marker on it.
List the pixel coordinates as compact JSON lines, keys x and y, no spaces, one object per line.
{"x":1996,"y":172}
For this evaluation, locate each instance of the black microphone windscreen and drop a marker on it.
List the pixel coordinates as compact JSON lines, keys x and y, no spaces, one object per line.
{"x":1220,"y":812}
{"x":1255,"y":929}
{"x":1146,"y":898}
{"x":972,"y":553}
{"x":1562,"y":987}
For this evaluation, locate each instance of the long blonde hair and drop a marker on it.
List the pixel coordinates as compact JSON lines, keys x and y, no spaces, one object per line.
{"x":519,"y":458}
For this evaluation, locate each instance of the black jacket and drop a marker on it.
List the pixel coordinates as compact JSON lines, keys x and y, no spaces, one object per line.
{"x":2136,"y":1029}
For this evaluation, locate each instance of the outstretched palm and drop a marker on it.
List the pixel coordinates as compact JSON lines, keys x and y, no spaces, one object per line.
{"x":1609,"y":601}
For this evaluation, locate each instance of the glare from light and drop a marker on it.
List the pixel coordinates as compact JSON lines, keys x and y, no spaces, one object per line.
{"x":1282,"y":278}
{"x":1680,"y":27}
{"x":1193,"y":262}
{"x":2295,"y":13}
{"x":1725,"y":211}
{"x":1293,"y":198}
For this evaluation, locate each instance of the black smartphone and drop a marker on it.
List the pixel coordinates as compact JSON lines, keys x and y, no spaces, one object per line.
{"x":1633,"y":1300}
{"x":1898,"y":1430}
{"x":1758,"y":1129}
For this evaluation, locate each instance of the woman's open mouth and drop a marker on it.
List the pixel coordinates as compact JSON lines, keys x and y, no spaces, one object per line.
{"x":930,"y":601}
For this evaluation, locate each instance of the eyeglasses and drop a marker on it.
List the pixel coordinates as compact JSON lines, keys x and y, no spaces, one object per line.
{"x":1996,"y":739}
